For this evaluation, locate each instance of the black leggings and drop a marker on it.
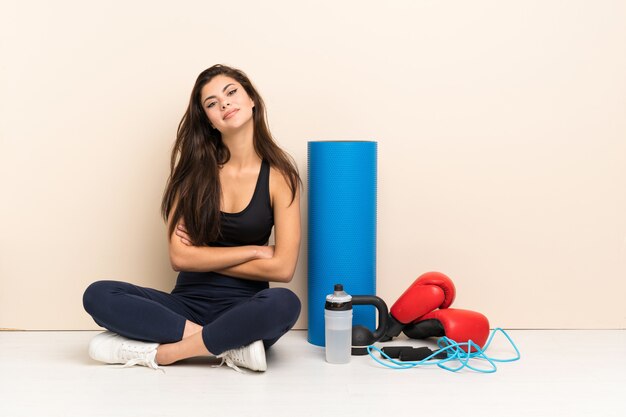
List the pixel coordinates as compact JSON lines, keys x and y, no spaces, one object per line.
{"x":231,"y":317}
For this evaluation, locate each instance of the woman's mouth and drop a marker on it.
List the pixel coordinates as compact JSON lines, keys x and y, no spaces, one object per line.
{"x":230,"y":113}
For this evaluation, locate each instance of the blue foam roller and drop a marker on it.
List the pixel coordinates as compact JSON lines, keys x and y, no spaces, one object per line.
{"x":342,"y":179}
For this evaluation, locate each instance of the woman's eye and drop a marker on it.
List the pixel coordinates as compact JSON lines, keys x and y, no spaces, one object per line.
{"x":231,"y":92}
{"x":210,"y":105}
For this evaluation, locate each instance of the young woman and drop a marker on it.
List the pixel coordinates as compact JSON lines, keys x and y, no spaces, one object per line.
{"x":229,"y":185}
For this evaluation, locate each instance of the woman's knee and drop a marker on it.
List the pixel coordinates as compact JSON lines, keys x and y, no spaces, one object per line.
{"x":96,"y":294}
{"x":287,"y":303}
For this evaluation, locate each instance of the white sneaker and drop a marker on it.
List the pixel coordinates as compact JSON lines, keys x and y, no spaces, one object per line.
{"x":251,"y":357}
{"x":110,"y":347}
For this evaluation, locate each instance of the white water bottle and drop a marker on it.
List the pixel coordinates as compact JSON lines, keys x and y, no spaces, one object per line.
{"x":338,"y":326}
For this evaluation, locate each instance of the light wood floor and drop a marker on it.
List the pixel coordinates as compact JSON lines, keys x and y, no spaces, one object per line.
{"x":561,"y":373}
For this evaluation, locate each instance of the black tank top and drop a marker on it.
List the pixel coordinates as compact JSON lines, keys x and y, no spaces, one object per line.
{"x":251,"y":226}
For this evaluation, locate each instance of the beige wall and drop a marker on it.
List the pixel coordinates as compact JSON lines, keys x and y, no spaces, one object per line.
{"x":501,"y":129}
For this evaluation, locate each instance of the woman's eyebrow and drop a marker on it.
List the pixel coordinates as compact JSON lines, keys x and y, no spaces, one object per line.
{"x":223,"y":89}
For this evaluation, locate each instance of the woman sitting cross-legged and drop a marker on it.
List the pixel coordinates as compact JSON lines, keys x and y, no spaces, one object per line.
{"x":229,"y":185}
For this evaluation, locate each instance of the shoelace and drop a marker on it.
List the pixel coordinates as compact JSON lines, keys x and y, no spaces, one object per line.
{"x":229,"y":362}
{"x":141,"y":361}
{"x":229,"y":357}
{"x":137,"y":355}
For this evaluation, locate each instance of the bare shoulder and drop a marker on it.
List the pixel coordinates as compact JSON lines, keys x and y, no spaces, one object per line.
{"x":280,"y":190}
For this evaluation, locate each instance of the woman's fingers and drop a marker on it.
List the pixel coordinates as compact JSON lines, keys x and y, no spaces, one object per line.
{"x":181,"y":232}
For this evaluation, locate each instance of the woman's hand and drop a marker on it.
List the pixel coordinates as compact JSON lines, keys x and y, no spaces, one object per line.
{"x":275,"y":263}
{"x":181,"y":232}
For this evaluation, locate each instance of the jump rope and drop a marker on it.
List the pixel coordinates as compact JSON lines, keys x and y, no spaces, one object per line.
{"x":461,"y":353}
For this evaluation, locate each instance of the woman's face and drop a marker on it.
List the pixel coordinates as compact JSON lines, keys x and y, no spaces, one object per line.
{"x":226,"y":103}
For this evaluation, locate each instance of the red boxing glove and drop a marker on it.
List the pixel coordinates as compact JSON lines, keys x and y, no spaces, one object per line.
{"x":430,"y":291}
{"x":458,"y":325}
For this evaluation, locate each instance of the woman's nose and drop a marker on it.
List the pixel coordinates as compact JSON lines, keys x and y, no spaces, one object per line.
{"x":225,"y":104}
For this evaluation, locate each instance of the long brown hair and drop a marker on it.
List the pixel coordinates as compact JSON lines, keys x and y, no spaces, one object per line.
{"x":193,"y":186}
